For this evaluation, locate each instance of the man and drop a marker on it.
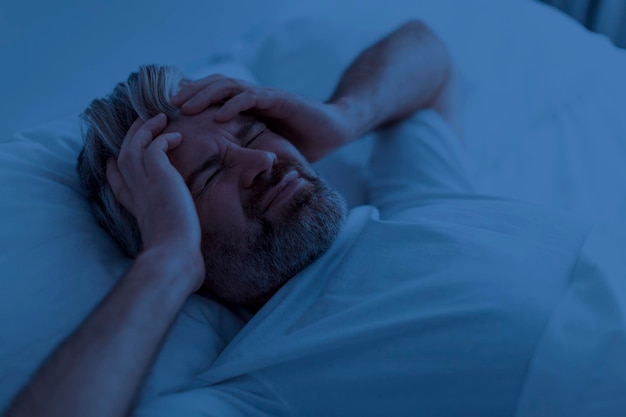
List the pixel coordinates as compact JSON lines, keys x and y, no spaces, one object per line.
{"x":220,"y":195}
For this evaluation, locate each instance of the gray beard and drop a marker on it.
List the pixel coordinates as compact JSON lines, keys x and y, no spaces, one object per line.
{"x":248,"y":266}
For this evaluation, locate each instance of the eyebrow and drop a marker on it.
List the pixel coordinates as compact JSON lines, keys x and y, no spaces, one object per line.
{"x":208,"y":163}
{"x":245,"y":129}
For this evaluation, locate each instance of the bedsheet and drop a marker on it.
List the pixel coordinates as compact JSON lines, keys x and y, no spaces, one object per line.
{"x":544,"y":97}
{"x":544,"y":122}
{"x":471,"y":326}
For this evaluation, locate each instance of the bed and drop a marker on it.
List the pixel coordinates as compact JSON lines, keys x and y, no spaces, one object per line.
{"x":544,"y":118}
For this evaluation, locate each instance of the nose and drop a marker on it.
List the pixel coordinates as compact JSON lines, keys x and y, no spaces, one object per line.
{"x":253,"y":164}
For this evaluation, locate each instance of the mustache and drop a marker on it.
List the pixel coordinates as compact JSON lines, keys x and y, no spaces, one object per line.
{"x":253,"y":206}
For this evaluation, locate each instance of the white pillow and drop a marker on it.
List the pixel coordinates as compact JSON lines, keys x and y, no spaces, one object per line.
{"x":57,"y":264}
{"x":536,"y":82}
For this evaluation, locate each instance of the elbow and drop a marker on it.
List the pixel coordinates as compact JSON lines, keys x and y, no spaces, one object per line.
{"x":430,"y":44}
{"x":422,"y":33}
{"x":414,"y":25}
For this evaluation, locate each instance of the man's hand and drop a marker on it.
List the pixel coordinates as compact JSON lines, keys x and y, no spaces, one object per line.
{"x":102,"y":364}
{"x":315,"y":128}
{"x":408,"y":70}
{"x":145,"y":182}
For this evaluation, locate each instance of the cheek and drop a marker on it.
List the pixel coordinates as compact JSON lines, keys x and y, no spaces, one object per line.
{"x":286,"y":151}
{"x":220,"y":208}
{"x":292,"y":152}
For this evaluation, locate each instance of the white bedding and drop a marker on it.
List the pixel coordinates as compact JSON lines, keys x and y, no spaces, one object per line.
{"x":544,"y":120}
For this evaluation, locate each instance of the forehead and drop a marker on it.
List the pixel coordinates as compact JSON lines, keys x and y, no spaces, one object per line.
{"x":202,"y":125}
{"x":202,"y":137}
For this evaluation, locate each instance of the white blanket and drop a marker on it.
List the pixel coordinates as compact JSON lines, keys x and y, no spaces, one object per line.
{"x":545,"y":123}
{"x":435,"y":304}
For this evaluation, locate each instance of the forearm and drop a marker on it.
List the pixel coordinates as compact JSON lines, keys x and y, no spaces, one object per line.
{"x":404,"y":72}
{"x":98,"y":369}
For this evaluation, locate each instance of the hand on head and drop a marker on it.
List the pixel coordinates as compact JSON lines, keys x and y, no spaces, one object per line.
{"x":153,"y":191}
{"x":152,"y":179}
{"x":315,"y":128}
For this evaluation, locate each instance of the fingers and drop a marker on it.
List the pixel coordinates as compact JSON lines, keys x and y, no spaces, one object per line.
{"x":117,"y":184}
{"x":134,"y":127}
{"x":146,"y":183}
{"x":207,"y":92}
{"x":138,"y":138}
{"x":141,"y":157}
{"x":189,"y":90}
{"x":211,"y":94}
{"x":156,"y":160}
{"x":258,"y":100}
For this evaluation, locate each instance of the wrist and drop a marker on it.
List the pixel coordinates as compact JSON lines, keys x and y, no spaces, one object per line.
{"x":359,"y":115}
{"x":180,"y":271}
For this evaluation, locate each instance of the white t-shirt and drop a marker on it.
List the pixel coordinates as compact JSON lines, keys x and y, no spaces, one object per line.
{"x":435,"y":302}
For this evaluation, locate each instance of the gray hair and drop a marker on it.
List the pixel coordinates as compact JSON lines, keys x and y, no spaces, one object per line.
{"x":105,"y":122}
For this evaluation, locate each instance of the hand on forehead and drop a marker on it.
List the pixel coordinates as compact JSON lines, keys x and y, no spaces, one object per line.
{"x":204,"y":123}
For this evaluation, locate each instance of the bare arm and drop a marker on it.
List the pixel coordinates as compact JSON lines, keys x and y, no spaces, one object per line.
{"x":407,"y":70}
{"x":98,"y":370}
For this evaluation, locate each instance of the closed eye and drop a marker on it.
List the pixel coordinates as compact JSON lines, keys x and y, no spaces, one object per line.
{"x":252,"y":140}
{"x":208,"y":180}
{"x":212,"y":177}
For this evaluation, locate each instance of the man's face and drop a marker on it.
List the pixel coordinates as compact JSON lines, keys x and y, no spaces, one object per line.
{"x":263,"y":211}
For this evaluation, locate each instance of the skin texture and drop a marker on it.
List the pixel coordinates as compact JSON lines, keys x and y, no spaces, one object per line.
{"x":142,"y":178}
{"x":103,"y":363}
{"x":242,"y":163}
{"x":250,"y":250}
